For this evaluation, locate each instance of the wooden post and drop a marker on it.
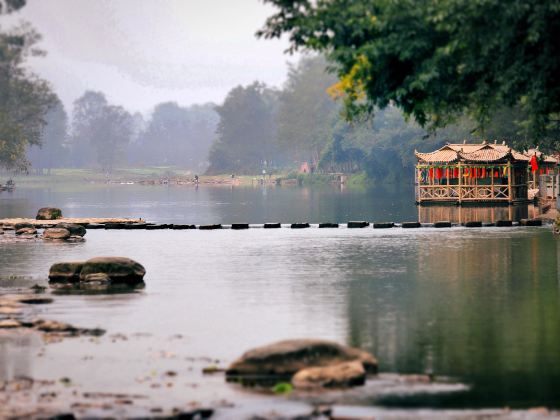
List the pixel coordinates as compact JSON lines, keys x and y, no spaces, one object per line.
{"x":460,"y":183}
{"x":492,"y":183}
{"x":510,"y":192}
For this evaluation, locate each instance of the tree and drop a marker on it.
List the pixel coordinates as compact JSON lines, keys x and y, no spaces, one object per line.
{"x":246,"y":133}
{"x":178,"y":136}
{"x":435,"y":59}
{"x":24,"y":98}
{"x":52,"y":151}
{"x":307,"y":113}
{"x":100,"y":131}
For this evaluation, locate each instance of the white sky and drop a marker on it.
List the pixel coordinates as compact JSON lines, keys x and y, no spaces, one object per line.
{"x":142,"y":52}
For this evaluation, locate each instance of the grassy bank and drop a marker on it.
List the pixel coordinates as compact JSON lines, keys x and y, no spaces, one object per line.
{"x":157,"y":175}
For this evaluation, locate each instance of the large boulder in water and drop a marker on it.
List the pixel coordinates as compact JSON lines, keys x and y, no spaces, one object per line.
{"x":120,"y":270}
{"x":56,"y":233}
{"x":74,"y":229}
{"x":49,"y":213}
{"x":66,"y":272}
{"x":285,"y":358}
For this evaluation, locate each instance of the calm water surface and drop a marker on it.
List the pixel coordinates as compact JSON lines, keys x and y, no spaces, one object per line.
{"x":477,"y":305}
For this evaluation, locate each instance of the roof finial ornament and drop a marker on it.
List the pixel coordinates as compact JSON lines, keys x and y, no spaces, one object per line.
{"x":484,"y":142}
{"x":464,"y":142}
{"x":504,"y":142}
{"x":495,"y":141}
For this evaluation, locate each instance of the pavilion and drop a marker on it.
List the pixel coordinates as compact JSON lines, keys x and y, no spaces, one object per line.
{"x":472,"y":173}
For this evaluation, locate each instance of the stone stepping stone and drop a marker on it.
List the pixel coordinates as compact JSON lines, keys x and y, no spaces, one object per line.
{"x":411,"y":225}
{"x":328,"y":225}
{"x":240,"y":226}
{"x":383,"y":225}
{"x":299,"y":225}
{"x":272,"y":226}
{"x":357,"y":225}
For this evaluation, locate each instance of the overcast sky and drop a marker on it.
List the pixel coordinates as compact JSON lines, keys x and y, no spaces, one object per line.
{"x":142,"y":52}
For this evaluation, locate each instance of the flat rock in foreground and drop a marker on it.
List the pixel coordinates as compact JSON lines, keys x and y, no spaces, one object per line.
{"x":120,"y":270}
{"x":286,"y":358}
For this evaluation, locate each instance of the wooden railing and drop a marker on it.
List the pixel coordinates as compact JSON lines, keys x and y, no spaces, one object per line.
{"x":470,"y":192}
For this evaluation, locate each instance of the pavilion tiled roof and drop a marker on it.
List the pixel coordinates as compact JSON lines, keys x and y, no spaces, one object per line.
{"x":477,"y":152}
{"x":487,"y":154}
{"x":465,"y":147}
{"x":442,"y":155}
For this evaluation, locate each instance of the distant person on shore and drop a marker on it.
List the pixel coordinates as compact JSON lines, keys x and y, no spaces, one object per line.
{"x":196,"y":179}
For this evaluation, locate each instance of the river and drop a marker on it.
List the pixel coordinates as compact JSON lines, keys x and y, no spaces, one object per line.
{"x":477,"y":306}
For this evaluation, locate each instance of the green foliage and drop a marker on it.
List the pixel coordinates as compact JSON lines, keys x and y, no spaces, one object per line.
{"x":246,"y":140}
{"x":24,"y":98}
{"x":283,"y":388}
{"x":436,"y":60}
{"x":307,"y":113}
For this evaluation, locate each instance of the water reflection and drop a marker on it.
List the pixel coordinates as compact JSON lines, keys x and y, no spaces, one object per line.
{"x":483,"y":309}
{"x":462,"y":214}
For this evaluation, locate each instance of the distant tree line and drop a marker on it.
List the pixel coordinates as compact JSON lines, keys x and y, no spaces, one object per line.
{"x":262,"y":128}
{"x":104,"y":136}
{"x":256,"y":128}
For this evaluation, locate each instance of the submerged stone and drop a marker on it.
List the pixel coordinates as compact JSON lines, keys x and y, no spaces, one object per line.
{"x":19,"y":226}
{"x":66,"y":272}
{"x":9,"y":323}
{"x":49,"y":213}
{"x":341,"y":375}
{"x":210,"y":227}
{"x":26,"y":231}
{"x":383,"y":225}
{"x":504,"y":223}
{"x":411,"y":225}
{"x":272,"y":226}
{"x":120,"y":270}
{"x":56,"y":233}
{"x":135,"y":226}
{"x":240,"y":226}
{"x":74,"y":229}
{"x":95,"y":226}
{"x":183,"y":227}
{"x":530,"y":222}
{"x":283,"y":359}
{"x":328,"y":225}
{"x":357,"y":225}
{"x":299,"y":225}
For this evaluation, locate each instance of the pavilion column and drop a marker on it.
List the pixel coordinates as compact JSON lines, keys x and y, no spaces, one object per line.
{"x":492,"y":183}
{"x":460,"y":182}
{"x":510,"y":190}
